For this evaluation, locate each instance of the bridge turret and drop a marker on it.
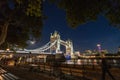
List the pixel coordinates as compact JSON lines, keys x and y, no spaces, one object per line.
{"x":69,"y":48}
{"x":55,"y":37}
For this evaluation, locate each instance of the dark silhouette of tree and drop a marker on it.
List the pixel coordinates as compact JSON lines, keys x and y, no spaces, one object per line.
{"x":24,"y":17}
{"x":19,"y":19}
{"x":105,"y":67}
{"x":82,"y":11}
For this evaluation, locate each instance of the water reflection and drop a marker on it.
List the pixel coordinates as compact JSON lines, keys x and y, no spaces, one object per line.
{"x":113,"y":62}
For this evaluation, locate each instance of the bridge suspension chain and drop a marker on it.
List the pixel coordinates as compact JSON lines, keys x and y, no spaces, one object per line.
{"x":49,"y":46}
{"x":44,"y":48}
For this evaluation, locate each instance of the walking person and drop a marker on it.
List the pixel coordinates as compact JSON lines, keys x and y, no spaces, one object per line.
{"x":105,"y":68}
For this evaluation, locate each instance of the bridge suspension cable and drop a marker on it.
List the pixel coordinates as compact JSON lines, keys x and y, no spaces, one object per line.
{"x":44,"y":48}
{"x":48,"y":47}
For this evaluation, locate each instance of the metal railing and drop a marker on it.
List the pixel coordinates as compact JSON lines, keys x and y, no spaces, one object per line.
{"x":81,"y":69}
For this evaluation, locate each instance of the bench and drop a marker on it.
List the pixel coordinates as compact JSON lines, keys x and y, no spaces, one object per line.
{"x":4,"y":75}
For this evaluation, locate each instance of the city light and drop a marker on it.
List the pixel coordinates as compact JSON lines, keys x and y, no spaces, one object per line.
{"x":99,"y":47}
{"x":7,"y":49}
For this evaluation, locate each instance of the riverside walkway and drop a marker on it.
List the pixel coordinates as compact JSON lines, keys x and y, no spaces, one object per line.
{"x":36,"y":69}
{"x":4,"y":75}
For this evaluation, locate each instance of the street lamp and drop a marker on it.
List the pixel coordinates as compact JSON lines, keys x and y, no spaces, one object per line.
{"x":8,"y":49}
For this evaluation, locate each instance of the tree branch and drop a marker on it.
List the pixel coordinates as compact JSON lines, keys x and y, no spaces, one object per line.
{"x":3,"y":34}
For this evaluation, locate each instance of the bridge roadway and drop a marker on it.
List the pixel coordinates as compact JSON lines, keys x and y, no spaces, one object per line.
{"x":4,"y":75}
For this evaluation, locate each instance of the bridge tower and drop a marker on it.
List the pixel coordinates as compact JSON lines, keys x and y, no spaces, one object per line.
{"x":69,"y":48}
{"x":55,"y":37}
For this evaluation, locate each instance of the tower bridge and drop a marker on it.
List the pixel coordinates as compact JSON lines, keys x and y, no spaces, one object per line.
{"x":54,"y":45}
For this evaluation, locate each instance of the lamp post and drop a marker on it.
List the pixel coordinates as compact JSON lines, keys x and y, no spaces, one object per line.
{"x":7,"y":49}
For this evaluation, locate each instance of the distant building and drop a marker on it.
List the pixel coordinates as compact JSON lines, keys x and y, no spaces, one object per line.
{"x":94,"y":52}
{"x":105,"y":51}
{"x":88,"y":52}
{"x":77,"y":53}
{"x":118,"y":50}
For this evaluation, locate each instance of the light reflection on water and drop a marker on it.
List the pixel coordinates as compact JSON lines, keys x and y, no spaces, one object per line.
{"x":92,"y":62}
{"x":113,"y":62}
{"x":83,"y":61}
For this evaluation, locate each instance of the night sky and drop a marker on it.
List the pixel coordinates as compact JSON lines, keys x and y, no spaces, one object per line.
{"x":85,"y":36}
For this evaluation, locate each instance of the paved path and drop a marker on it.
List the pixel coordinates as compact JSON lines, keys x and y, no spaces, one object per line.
{"x":4,"y":75}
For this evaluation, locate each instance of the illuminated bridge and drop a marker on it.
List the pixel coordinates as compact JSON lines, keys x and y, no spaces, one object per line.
{"x":53,"y":46}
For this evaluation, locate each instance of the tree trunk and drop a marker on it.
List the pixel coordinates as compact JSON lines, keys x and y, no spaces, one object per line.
{"x":3,"y":33}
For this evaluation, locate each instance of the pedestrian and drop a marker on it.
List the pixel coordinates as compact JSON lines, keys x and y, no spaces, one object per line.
{"x":105,"y":68}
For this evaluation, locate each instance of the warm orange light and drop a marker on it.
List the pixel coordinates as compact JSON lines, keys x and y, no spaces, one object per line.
{"x":7,"y":49}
